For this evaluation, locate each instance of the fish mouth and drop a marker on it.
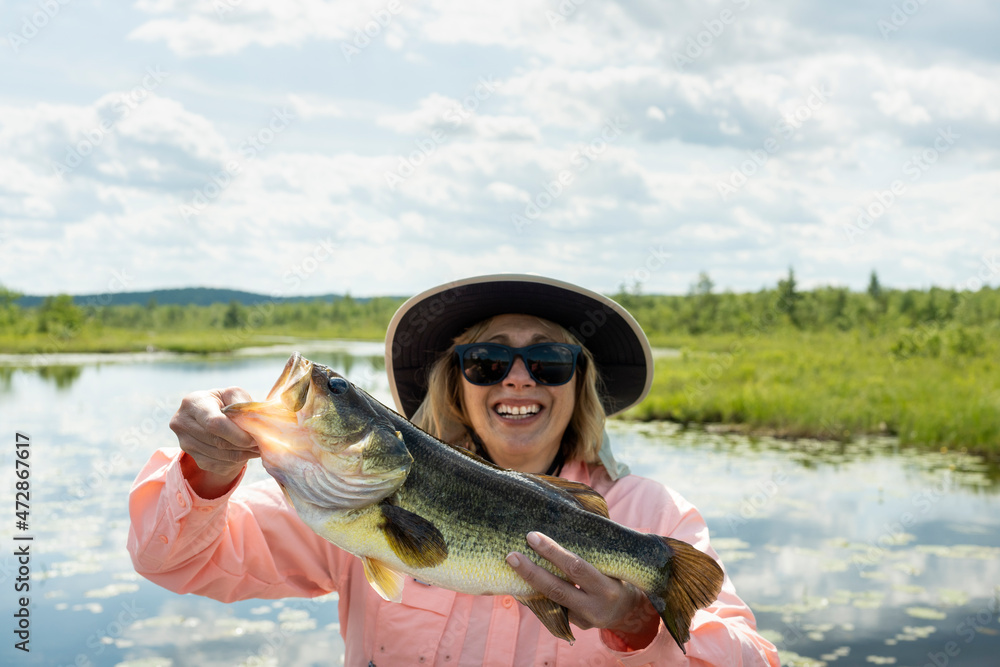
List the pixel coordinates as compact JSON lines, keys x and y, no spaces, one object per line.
{"x":298,"y":395}
{"x":274,"y":422}
{"x":292,"y":386}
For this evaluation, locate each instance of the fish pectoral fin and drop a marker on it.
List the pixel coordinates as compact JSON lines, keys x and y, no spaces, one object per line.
{"x":553,"y":615}
{"x":386,"y":581}
{"x":415,"y":540}
{"x":584,"y":496}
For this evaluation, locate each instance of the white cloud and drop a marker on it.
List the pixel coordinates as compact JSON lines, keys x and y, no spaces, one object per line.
{"x":899,"y":105}
{"x":505,"y":192}
{"x":226,"y":27}
{"x":810,"y":107}
{"x":314,"y":107}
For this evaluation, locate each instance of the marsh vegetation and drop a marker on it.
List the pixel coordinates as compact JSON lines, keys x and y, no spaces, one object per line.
{"x":829,"y":362}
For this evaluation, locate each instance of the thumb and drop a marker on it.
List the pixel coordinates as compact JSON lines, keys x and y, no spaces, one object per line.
{"x":232,"y":395}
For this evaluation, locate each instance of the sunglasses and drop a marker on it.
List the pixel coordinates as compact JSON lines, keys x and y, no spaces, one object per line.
{"x":550,"y":364}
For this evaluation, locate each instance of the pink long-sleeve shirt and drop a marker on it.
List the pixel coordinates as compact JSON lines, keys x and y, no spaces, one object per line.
{"x":250,"y":543}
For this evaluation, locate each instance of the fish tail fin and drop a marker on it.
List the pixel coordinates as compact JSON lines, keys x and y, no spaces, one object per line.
{"x":693,"y":580}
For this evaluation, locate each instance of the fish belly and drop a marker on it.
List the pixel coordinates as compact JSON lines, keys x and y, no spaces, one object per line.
{"x":463,"y":570}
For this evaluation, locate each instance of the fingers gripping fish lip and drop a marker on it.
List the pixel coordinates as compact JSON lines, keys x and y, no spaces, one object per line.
{"x":286,"y":398}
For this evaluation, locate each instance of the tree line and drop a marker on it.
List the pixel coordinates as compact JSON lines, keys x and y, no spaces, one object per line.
{"x":877,"y":309}
{"x":61,"y":317}
{"x":702,"y":310}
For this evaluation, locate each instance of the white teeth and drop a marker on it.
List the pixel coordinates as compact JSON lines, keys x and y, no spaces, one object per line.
{"x":518,"y":409}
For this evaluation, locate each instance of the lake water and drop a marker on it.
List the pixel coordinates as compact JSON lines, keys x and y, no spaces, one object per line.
{"x":849,"y":555}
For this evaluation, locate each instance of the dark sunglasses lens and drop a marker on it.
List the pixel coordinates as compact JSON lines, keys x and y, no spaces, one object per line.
{"x":551,"y":364}
{"x":547,"y":363}
{"x":485,"y":364}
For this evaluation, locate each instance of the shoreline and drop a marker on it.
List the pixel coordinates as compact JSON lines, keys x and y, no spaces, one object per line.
{"x":361,"y":348}
{"x":746,"y":429}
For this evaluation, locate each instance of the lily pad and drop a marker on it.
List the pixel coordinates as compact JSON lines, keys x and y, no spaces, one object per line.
{"x":792,"y":659}
{"x":112,"y":590}
{"x":909,"y":588}
{"x":926,"y":612}
{"x":951,"y":597}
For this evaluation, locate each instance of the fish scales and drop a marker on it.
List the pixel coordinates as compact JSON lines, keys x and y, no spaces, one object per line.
{"x":470,"y":503}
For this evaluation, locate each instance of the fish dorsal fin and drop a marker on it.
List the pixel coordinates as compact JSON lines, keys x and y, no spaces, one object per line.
{"x":386,"y":581}
{"x":584,"y":496}
{"x":553,"y":615}
{"x":415,"y":540}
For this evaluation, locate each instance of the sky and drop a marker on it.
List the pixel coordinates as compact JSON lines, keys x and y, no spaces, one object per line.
{"x":385,"y":147}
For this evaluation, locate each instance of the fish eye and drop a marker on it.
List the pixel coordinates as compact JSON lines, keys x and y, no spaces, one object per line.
{"x":338,"y":385}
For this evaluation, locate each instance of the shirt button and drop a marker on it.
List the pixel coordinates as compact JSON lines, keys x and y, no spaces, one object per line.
{"x":508,"y":601}
{"x":180,"y":500}
{"x":163,"y":538}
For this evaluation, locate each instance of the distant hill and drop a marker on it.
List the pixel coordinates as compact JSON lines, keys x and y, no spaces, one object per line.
{"x":199,"y":296}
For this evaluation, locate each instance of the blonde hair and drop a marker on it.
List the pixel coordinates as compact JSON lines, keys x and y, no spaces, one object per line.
{"x":442,"y":412}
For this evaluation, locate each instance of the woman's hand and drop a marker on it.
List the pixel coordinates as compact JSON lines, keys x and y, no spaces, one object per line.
{"x":217,"y":448}
{"x":593,"y":599}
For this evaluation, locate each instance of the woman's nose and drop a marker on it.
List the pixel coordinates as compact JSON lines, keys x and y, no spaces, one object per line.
{"x":519,"y":375}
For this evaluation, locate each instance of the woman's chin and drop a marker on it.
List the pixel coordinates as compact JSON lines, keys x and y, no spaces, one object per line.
{"x":518,"y":450}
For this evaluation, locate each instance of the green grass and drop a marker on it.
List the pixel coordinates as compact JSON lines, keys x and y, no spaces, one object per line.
{"x":936,"y":391}
{"x":831,"y":385}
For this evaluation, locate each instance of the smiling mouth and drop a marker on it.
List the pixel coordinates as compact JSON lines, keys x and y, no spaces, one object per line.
{"x":516,"y":412}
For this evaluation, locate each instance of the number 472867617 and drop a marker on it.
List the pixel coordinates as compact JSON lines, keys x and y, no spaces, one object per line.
{"x":23,"y":486}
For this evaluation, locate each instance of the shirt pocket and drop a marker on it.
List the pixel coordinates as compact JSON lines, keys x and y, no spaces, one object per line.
{"x":410,"y":632}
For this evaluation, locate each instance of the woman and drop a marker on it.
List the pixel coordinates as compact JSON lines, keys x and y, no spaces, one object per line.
{"x":470,"y":363}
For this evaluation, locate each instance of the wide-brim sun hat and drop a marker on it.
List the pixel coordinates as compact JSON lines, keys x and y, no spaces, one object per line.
{"x":426,"y":324}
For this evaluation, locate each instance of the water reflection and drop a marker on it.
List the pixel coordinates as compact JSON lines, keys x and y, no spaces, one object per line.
{"x":849,"y":554}
{"x":62,"y":376}
{"x":856,"y":553}
{"x":64,"y":369}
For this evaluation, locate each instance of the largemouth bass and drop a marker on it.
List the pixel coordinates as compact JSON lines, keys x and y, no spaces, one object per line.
{"x":372,"y":483}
